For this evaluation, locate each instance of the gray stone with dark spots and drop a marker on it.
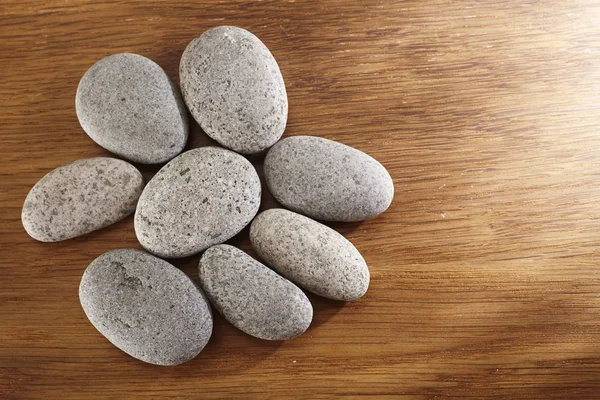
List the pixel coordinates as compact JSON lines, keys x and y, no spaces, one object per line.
{"x":327,"y":180}
{"x":127,"y":104}
{"x":310,"y":254}
{"x":233,"y":87}
{"x":146,"y":307}
{"x":81,"y":197}
{"x":201,"y":198}
{"x":251,"y":296}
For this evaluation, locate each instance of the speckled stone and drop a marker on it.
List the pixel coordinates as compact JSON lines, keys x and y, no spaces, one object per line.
{"x":233,"y":87}
{"x":310,"y":254}
{"x":146,"y":307}
{"x":127,"y":104}
{"x":201,"y":198}
{"x":81,"y":197}
{"x":251,"y":296}
{"x":327,"y":180}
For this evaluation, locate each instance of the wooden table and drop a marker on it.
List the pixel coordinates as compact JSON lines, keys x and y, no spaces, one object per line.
{"x":485,"y":269}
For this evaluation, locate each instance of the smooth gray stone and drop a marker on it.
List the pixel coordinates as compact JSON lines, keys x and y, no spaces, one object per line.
{"x":327,"y":180}
{"x":233,"y":87}
{"x":146,"y":307}
{"x":127,"y":104}
{"x":81,"y":197}
{"x":310,"y":254}
{"x":201,"y":198}
{"x":251,"y":296}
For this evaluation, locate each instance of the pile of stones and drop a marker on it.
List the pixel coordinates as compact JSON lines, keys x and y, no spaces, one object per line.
{"x":232,"y":86}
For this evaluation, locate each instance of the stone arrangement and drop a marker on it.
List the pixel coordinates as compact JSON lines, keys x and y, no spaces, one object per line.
{"x":233,"y":88}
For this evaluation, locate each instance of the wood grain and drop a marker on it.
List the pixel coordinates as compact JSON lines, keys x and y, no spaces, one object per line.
{"x":485,"y":275}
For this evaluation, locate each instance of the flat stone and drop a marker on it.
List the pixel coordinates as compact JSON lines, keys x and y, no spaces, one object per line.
{"x":251,"y":296}
{"x":233,"y":87}
{"x":201,"y":198}
{"x":327,"y":180}
{"x":127,"y":104}
{"x":81,"y":197}
{"x":310,"y":254}
{"x":146,"y":307}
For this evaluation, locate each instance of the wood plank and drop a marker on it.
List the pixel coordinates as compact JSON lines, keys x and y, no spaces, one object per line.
{"x":485,"y":278}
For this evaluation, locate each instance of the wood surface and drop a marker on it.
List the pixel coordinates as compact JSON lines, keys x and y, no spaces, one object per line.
{"x":485,"y":269}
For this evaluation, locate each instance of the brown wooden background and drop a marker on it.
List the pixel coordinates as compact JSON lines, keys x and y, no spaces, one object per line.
{"x":485,"y":270}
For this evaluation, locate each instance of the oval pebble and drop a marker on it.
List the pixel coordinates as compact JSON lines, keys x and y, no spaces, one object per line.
{"x":327,"y":180}
{"x":146,"y":307}
{"x":127,"y":104}
{"x":201,"y":198}
{"x":251,"y":296}
{"x":81,"y":197}
{"x":310,"y":254}
{"x":233,"y":87}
